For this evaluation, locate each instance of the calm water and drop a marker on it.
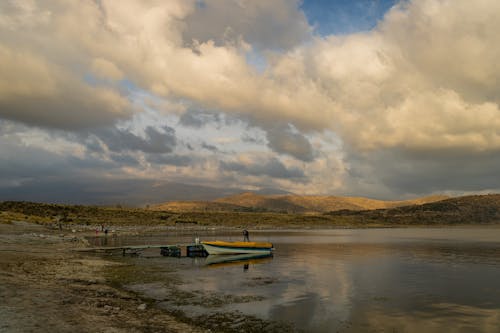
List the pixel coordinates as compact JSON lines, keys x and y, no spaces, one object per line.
{"x":373,"y":280}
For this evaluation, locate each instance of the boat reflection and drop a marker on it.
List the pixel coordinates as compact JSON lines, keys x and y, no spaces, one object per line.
{"x":245,"y":259}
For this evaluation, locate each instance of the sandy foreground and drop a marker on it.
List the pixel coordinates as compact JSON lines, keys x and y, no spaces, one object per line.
{"x":47,"y":286}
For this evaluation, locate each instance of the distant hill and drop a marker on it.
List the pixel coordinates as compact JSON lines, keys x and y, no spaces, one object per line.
{"x":198,"y":206}
{"x":467,"y":210}
{"x":288,"y":203}
{"x":461,"y":210}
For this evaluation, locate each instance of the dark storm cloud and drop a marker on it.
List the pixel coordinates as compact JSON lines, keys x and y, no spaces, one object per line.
{"x":398,"y":172}
{"x":156,"y":141}
{"x":284,"y":140}
{"x":36,"y":174}
{"x":95,"y":190}
{"x":20,"y":164}
{"x":272,"y":168}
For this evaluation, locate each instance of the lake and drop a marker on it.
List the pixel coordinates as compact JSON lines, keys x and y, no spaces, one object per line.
{"x":346,"y":280}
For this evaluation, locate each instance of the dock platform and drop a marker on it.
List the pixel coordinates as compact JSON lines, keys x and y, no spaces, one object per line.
{"x":178,"y":250}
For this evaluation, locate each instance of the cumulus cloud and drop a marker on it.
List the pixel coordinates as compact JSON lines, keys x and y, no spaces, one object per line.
{"x":263,"y":24}
{"x":39,"y":93}
{"x":39,"y":84}
{"x":423,"y":78}
{"x":425,"y":58}
{"x":426,"y":79}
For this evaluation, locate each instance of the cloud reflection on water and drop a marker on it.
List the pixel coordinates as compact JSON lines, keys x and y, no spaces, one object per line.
{"x":409,"y":280}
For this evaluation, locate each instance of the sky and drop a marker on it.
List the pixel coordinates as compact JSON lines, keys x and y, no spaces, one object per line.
{"x":143,"y":101}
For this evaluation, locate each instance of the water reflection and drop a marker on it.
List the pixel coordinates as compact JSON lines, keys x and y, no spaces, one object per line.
{"x":401,"y":280}
{"x":106,"y":240}
{"x":244,"y":260}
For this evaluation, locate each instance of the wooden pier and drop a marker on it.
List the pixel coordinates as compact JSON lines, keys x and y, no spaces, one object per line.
{"x":179,"y":250}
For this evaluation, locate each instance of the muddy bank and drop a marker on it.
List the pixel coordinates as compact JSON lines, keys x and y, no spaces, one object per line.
{"x":45,"y":286}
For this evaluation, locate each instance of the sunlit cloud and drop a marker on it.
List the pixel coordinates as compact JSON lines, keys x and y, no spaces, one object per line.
{"x":178,"y":91}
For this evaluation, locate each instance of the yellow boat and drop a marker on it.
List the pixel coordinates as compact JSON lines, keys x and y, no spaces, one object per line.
{"x":221,"y":247}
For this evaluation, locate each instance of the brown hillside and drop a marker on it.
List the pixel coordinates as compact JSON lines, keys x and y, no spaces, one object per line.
{"x":462,"y":210}
{"x":318,"y":204}
{"x":198,"y":206}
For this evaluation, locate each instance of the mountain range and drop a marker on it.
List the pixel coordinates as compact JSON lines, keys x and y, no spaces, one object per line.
{"x":289,"y":203}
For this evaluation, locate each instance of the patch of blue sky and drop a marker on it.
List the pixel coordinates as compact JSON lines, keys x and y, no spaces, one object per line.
{"x":257,"y":60}
{"x":92,"y":80}
{"x":124,"y":84}
{"x":341,"y":17}
{"x":201,"y":4}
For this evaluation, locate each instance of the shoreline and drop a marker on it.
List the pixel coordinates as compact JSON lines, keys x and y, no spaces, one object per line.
{"x":50,"y":286}
{"x":47,"y":287}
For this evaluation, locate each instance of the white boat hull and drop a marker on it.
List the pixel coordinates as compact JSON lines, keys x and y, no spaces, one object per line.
{"x":212,"y":249}
{"x":237,"y":258}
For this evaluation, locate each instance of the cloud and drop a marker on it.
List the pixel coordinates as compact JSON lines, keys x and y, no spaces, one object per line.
{"x":89,"y":190}
{"x":20,"y":164}
{"x":43,"y":94}
{"x":124,"y":160}
{"x":198,"y":119}
{"x":423,"y":82}
{"x":156,"y":141}
{"x":400,"y":173}
{"x":425,"y":59}
{"x":169,"y":159}
{"x":252,"y":139}
{"x":425,"y":77}
{"x":106,"y":70}
{"x":263,"y":24}
{"x":39,"y":174}
{"x":272,"y":168}
{"x":41,"y":84}
{"x":285,"y":140}
{"x":209,"y":147}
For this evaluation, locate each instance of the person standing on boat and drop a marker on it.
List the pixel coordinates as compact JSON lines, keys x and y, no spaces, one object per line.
{"x":246,"y":236}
